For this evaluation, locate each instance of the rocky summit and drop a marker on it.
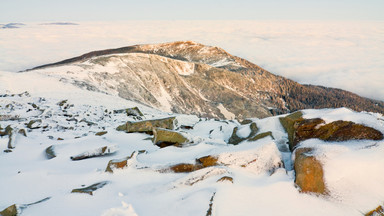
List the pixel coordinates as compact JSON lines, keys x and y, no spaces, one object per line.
{"x":192,"y":78}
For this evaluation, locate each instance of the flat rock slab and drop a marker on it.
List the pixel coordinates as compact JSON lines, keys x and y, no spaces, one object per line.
{"x":90,"y":189}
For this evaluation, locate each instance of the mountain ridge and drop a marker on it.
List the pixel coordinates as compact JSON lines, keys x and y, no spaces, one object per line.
{"x":218,"y":80}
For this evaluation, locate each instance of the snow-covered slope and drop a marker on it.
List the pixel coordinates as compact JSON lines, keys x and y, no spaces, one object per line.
{"x":249,"y":178}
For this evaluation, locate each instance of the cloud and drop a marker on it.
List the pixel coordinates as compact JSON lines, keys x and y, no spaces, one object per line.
{"x":347,"y":55}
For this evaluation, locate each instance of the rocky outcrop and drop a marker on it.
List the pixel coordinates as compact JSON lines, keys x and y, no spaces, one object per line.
{"x":192,"y":78}
{"x":147,"y":126}
{"x":90,"y":189}
{"x":300,"y":129}
{"x":309,"y":173}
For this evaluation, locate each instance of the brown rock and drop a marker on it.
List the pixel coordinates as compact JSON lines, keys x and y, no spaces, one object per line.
{"x":101,"y":133}
{"x":118,"y":163}
{"x":147,"y":126}
{"x":50,"y":152}
{"x":207,"y":161}
{"x":235,"y":139}
{"x":309,"y":175}
{"x":334,"y":131}
{"x":379,"y":211}
{"x":183,"y":168}
{"x":225,"y":179}
{"x":164,"y":138}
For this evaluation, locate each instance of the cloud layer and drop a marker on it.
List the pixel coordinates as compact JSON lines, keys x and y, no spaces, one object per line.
{"x":345,"y":55}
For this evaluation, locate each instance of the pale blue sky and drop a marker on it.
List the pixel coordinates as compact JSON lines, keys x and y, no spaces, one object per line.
{"x":104,"y":10}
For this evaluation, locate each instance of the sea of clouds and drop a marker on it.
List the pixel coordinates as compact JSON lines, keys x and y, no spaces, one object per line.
{"x":346,"y":55}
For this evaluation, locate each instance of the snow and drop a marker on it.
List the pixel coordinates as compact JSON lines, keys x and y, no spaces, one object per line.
{"x":227,"y":114}
{"x":352,"y":169}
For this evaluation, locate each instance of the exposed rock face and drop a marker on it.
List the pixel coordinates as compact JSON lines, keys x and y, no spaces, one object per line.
{"x":148,"y":125}
{"x":309,"y":174}
{"x":188,"y":77}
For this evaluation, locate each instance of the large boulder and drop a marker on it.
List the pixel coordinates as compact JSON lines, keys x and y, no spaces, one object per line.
{"x":334,"y":131}
{"x":300,"y":129}
{"x":164,"y":138}
{"x":309,"y":174}
{"x":147,"y":126}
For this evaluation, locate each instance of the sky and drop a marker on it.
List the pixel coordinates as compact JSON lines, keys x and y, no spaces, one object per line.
{"x":113,"y":10}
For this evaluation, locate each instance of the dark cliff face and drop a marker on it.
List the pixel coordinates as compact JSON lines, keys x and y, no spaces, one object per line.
{"x":188,"y":77}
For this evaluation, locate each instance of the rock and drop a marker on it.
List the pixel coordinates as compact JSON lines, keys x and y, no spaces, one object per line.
{"x":90,"y":189}
{"x":246,"y":121}
{"x":101,"y":133}
{"x":62,"y":103}
{"x":334,"y":131}
{"x":164,"y":138}
{"x":185,"y":168}
{"x":59,"y":138}
{"x":34,"y":124}
{"x":106,"y":150}
{"x":309,"y":174}
{"x":288,"y":123}
{"x":50,"y":152}
{"x":209,"y":212}
{"x":147,"y":126}
{"x":207,"y":161}
{"x":134,"y":111}
{"x":89,"y":123}
{"x":119,"y":163}
{"x":235,"y":139}
{"x":225,"y":179}
{"x":9,"y":117}
{"x":12,"y":210}
{"x":261,"y":136}
{"x":7,"y":150}
{"x":12,"y":138}
{"x":22,"y":132}
{"x":379,"y":211}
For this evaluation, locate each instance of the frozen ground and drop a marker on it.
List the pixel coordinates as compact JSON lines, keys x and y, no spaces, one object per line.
{"x":353,"y":170}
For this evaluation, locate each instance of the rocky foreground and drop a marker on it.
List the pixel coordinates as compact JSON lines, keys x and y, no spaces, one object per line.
{"x":66,"y":156}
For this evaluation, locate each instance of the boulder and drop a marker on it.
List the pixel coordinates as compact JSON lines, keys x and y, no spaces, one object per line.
{"x":309,"y":174}
{"x":379,"y":211}
{"x":106,"y":150}
{"x":12,"y":210}
{"x":164,"y":138}
{"x":90,"y":189}
{"x":334,"y":131}
{"x":50,"y":152}
{"x":207,"y":161}
{"x":34,"y":124}
{"x":22,"y":132}
{"x":147,"y":126}
{"x":185,"y":168}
